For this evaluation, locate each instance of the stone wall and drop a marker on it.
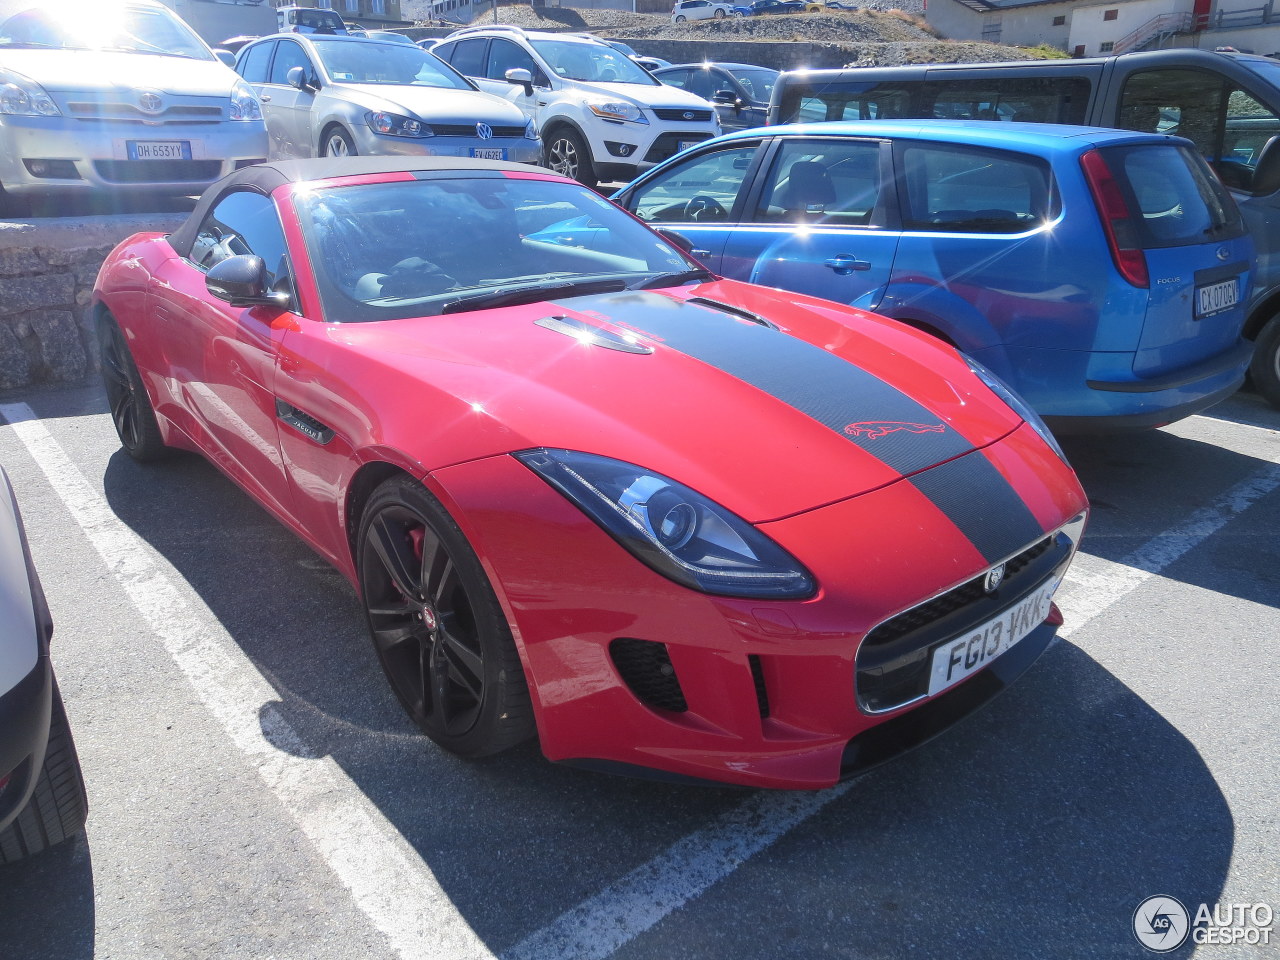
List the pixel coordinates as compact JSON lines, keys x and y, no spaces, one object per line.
{"x":47,"y":270}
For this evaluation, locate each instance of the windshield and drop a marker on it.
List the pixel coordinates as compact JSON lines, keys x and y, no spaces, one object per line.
{"x":591,"y":62}
{"x":757,"y":83}
{"x":311,"y":21}
{"x":377,"y":252}
{"x":1267,"y":69}
{"x":120,"y":28}
{"x":358,"y":61}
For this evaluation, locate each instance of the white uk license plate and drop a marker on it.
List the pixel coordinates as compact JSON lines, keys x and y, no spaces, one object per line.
{"x":158,"y":149}
{"x":968,"y":654}
{"x":1216,"y":297}
{"x":489,"y":153}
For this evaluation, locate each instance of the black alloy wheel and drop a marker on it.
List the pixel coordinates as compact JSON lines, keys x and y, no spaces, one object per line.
{"x":131,"y":410}
{"x":438,"y":630}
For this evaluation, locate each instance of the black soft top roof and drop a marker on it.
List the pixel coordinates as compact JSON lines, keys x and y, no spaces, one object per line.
{"x":265,"y":177}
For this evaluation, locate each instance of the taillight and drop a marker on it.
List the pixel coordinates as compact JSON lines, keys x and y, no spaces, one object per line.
{"x":1117,"y":222}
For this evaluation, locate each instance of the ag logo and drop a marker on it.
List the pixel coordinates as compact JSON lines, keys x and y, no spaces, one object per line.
{"x":1161,"y":924}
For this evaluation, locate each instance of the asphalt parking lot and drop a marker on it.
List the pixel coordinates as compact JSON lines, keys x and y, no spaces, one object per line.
{"x":256,"y":792}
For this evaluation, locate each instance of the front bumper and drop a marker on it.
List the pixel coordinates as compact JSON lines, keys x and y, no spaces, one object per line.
{"x":94,"y":156}
{"x":765,"y":692}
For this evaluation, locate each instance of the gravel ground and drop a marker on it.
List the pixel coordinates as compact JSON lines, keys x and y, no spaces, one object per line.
{"x":872,"y":37}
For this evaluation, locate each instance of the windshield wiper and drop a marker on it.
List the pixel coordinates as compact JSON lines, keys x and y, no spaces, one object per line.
{"x":674,"y":279}
{"x":532,"y":294}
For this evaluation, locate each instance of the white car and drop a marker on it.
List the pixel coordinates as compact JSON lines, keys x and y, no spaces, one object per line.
{"x":120,"y":97}
{"x":700,"y":10}
{"x":601,"y":116}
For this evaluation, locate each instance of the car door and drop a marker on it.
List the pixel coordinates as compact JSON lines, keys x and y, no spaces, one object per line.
{"x":225,"y":356}
{"x":289,"y":126}
{"x":504,"y":55}
{"x":822,"y":222}
{"x":700,"y":196}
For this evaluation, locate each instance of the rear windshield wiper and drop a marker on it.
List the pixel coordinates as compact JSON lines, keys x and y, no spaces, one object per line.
{"x":674,"y":279}
{"x":532,"y":294}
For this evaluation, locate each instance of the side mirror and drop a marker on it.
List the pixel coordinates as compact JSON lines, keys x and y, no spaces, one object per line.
{"x":521,"y":76}
{"x":242,"y":282}
{"x":724,"y":96}
{"x":226,"y":56}
{"x":297,"y":77}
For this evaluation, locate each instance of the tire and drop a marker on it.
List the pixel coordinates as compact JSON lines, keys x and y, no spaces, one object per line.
{"x":680,"y":19}
{"x":131,"y":410}
{"x":1264,"y":368}
{"x":567,"y":155}
{"x":719,"y":14}
{"x":337,"y":143}
{"x":436,"y":625}
{"x":58,"y":807}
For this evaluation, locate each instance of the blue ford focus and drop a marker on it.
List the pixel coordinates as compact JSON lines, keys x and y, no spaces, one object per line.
{"x":1101,"y":273}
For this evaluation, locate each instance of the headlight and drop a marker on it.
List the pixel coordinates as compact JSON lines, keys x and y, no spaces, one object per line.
{"x":1016,"y":403}
{"x":612,"y":110}
{"x":244,"y":102}
{"x":672,"y":529}
{"x":530,"y":131}
{"x":20,"y":97}
{"x":394,"y":125}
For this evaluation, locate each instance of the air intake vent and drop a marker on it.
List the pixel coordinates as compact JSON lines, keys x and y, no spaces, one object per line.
{"x":762,"y":692}
{"x":589,"y":333}
{"x":646,"y":668}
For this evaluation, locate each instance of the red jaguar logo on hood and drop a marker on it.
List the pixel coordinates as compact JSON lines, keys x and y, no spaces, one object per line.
{"x":881,"y":428}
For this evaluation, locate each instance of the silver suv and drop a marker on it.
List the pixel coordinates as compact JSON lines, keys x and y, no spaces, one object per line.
{"x":601,"y":117}
{"x":133,"y":102}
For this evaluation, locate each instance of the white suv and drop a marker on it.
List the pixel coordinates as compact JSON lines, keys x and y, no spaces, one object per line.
{"x":601,"y":117}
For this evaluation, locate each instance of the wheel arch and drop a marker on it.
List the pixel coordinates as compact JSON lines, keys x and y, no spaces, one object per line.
{"x":367,"y":478}
{"x":1258,"y":318}
{"x":328,"y":124}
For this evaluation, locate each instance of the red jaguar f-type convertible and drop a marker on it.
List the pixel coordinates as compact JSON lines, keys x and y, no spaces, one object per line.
{"x":673,"y":524}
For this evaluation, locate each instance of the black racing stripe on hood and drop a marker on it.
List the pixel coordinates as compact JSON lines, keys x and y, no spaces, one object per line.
{"x":818,"y":383}
{"x":977,"y":498}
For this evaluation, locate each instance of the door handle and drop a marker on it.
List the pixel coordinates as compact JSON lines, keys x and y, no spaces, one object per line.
{"x":844,"y":264}
{"x":265,"y":98}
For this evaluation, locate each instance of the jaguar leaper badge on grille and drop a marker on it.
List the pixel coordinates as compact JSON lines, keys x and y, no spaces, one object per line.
{"x":993,"y":579}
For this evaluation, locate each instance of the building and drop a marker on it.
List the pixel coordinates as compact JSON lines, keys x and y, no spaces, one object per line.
{"x":1088,"y":28}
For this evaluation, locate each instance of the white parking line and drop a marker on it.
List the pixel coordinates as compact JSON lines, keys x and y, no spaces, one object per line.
{"x":622,"y":911}
{"x":387,"y":878}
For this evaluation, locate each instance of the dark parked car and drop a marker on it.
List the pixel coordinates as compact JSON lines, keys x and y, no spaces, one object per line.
{"x":761,"y":7}
{"x":740,"y":91}
{"x":42,"y":800}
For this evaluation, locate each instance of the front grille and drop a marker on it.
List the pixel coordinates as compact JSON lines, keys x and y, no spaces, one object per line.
{"x":469,"y":130}
{"x":668,"y":145}
{"x":180,"y":113}
{"x":158,"y":171}
{"x":687,"y":114}
{"x":892,"y":666}
{"x":645,"y":667}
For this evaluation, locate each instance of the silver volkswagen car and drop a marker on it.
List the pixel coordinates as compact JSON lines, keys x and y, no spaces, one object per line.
{"x":118,"y":96}
{"x":339,"y":96}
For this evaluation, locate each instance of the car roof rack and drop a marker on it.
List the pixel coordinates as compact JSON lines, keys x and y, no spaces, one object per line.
{"x":502,"y":27}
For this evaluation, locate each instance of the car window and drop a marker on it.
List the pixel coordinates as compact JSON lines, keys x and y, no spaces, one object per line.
{"x":253,"y":64}
{"x":288,"y":56}
{"x":674,"y":78}
{"x":970,"y":190}
{"x":757,"y":83}
{"x":703,"y":83}
{"x":704,"y":188}
{"x":833,"y":182}
{"x":1019,"y":99}
{"x":355,"y":61}
{"x":591,"y":62}
{"x":378,"y":255}
{"x":505,"y":55}
{"x":1228,"y":125}
{"x":468,"y":57}
{"x":1179,"y":200}
{"x":244,"y":223}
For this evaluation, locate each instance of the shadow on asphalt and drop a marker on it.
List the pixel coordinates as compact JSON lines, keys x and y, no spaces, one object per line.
{"x":56,"y":890}
{"x":1032,"y":830}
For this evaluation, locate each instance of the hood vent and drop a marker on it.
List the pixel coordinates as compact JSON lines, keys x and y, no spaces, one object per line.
{"x":588,"y":333}
{"x":732,"y":311}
